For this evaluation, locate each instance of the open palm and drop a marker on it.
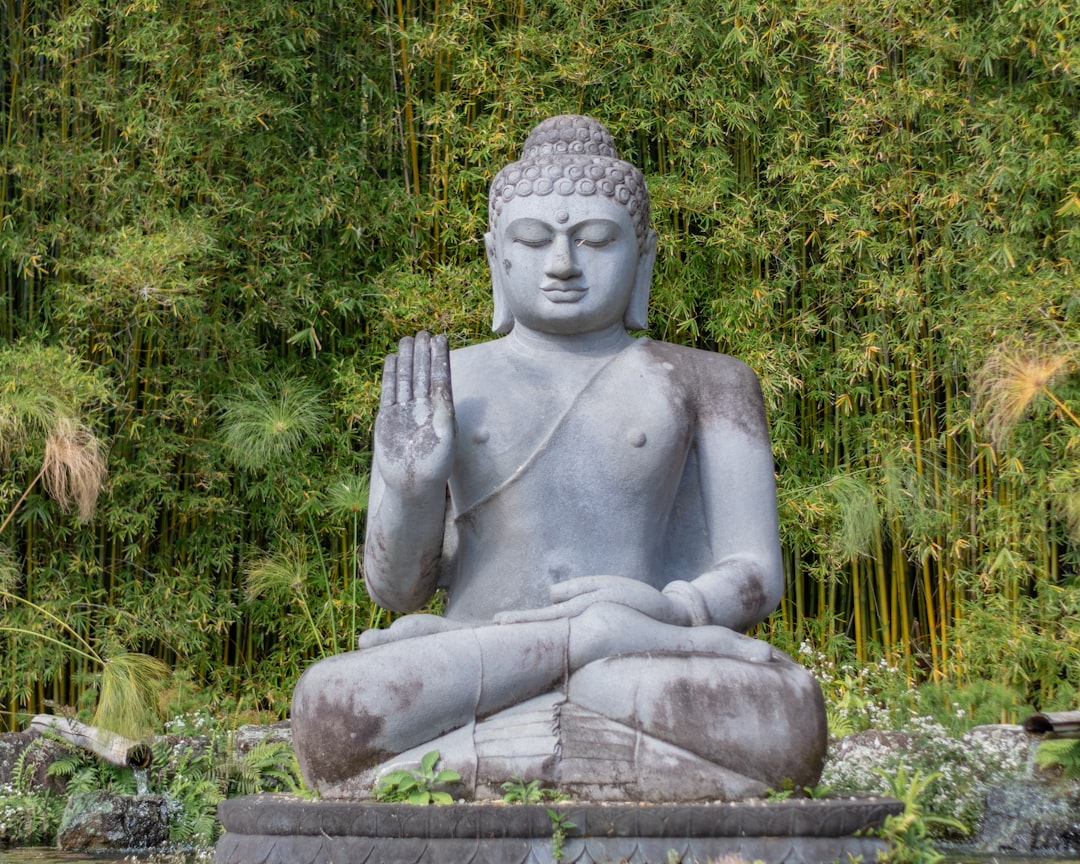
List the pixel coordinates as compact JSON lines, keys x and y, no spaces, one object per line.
{"x":414,"y":431}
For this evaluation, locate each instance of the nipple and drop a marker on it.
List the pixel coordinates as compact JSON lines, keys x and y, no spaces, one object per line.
{"x":636,"y":438}
{"x":480,"y":436}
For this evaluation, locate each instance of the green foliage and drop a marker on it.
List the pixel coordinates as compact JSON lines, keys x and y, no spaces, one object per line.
{"x":85,"y":772}
{"x":196,"y":780}
{"x":954,"y":773}
{"x":127,"y":685}
{"x":28,"y":819}
{"x":217,"y":219}
{"x":560,"y":829}
{"x":517,"y":791}
{"x":909,"y":833}
{"x":267,"y":420}
{"x":417,"y":787}
{"x":787,"y":790}
{"x":1060,"y":756}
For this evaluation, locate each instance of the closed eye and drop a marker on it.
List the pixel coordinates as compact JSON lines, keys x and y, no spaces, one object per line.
{"x":595,"y":244}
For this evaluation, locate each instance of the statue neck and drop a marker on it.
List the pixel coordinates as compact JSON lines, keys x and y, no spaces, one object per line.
{"x":602,"y":343}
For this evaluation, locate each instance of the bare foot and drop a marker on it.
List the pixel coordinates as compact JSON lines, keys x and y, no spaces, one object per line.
{"x":408,"y":627}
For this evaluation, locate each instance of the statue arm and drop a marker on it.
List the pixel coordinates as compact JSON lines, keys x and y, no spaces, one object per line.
{"x":402,"y":546}
{"x":738,"y":489}
{"x":413,"y":457}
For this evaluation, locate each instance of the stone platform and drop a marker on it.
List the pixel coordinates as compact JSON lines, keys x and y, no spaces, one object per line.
{"x":280,"y":829}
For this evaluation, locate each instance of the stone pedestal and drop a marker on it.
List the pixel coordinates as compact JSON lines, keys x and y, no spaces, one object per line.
{"x":279,"y":829}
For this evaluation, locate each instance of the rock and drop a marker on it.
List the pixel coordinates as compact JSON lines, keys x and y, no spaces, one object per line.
{"x":30,"y":770}
{"x":1031,"y":817}
{"x":247,"y":737}
{"x":101,"y":820}
{"x":183,"y":749}
{"x":878,"y":740}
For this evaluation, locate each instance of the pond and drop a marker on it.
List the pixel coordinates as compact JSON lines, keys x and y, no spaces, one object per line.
{"x":45,"y":855}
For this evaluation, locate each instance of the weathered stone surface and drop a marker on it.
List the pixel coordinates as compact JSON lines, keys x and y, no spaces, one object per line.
{"x":281,"y":829}
{"x":601,"y":510}
{"x":251,"y":735}
{"x":100,"y":820}
{"x":1035,"y":817}
{"x":32,"y":768}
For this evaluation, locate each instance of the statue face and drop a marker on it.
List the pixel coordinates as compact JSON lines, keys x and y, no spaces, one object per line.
{"x":565,"y":265}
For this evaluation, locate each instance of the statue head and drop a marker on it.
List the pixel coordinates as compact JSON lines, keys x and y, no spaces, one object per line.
{"x":563,"y":157}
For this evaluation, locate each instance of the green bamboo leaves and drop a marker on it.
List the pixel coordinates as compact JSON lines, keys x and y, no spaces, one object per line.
{"x":216,"y":221}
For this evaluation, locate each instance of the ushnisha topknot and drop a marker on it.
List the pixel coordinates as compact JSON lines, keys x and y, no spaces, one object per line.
{"x":572,"y":155}
{"x":569,"y":134}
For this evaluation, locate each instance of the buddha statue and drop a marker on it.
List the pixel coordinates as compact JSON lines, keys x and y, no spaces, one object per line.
{"x":601,"y":511}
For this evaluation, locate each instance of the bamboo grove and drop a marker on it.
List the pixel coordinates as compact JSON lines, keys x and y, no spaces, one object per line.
{"x":216,"y":218}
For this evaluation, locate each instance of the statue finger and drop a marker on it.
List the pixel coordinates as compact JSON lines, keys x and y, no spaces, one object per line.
{"x":547,"y":613}
{"x":560,"y":592}
{"x":389,"y":381}
{"x":404,"y":370}
{"x":521,"y":616}
{"x":421,"y":371}
{"x":440,"y":366}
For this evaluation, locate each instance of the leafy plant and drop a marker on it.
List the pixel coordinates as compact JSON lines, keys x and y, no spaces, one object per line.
{"x":128,"y":684}
{"x":517,"y":791}
{"x":28,"y":819}
{"x":195,"y":779}
{"x":266,"y":420}
{"x":417,"y":787}
{"x":560,"y":827}
{"x":28,"y":816}
{"x":1060,"y":755}
{"x":780,"y":794}
{"x":87,"y":773}
{"x":909,"y":833}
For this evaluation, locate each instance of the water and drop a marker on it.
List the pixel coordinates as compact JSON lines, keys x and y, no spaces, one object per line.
{"x":142,"y":781}
{"x":52,"y":856}
{"x":1006,"y":859}
{"x":1033,"y":748}
{"x":44,"y":855}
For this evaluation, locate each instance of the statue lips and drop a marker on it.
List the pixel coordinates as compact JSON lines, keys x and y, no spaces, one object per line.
{"x":558,"y":291}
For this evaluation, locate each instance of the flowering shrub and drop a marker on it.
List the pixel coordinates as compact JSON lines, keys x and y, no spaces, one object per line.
{"x":965,"y":768}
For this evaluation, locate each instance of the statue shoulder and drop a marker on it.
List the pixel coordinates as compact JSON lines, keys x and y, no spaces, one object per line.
{"x":721,"y":387}
{"x":709,"y":367}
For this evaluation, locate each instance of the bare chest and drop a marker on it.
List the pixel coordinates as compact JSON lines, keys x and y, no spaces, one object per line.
{"x":586,"y":430}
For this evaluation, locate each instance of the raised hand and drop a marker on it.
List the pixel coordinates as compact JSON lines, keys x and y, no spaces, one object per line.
{"x":414,"y":432}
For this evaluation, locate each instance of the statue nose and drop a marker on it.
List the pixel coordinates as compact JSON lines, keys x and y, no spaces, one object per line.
{"x":561,"y":263}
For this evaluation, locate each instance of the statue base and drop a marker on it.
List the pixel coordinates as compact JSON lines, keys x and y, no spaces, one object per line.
{"x":283,"y":829}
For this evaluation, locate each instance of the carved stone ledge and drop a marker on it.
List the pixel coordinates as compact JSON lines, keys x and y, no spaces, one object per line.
{"x":279,"y":829}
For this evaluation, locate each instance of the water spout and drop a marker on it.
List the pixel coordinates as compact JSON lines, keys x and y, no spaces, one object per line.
{"x":1062,"y":724}
{"x":108,"y":745}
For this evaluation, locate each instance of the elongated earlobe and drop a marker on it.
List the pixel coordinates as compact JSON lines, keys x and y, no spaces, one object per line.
{"x":502,"y":321}
{"x":637,"y":313}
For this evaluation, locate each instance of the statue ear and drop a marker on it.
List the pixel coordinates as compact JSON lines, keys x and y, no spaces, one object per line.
{"x":637,"y":313}
{"x":502,"y":320}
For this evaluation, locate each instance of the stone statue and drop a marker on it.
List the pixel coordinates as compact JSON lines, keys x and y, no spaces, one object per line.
{"x":602,"y":512}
